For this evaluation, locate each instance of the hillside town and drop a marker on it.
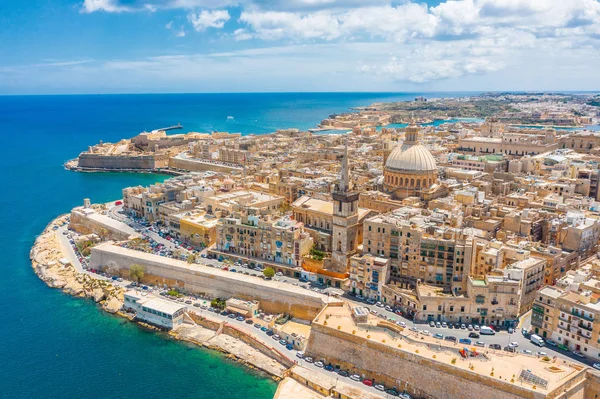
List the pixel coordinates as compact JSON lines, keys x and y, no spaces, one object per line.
{"x":382,"y":253}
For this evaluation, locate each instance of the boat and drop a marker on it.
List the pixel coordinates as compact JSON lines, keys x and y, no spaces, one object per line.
{"x":229,"y":118}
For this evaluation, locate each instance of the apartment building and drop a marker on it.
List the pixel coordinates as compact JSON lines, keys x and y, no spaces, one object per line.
{"x":261,"y":238}
{"x":368,"y":274}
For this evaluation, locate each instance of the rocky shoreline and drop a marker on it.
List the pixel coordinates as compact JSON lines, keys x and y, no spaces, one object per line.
{"x":46,"y":255}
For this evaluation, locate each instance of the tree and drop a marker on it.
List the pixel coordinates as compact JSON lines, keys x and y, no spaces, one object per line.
{"x":191,"y":258}
{"x":269,"y":272}
{"x":136,"y":272}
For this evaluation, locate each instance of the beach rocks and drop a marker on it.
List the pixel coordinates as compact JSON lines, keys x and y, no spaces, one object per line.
{"x":112,"y":305}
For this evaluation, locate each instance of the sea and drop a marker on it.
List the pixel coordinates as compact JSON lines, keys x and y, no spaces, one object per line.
{"x":56,"y":346}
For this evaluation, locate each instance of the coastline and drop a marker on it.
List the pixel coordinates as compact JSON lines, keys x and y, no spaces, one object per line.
{"x":45,"y":256}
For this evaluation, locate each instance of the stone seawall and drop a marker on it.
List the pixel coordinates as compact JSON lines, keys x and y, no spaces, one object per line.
{"x":275,"y":297}
{"x":133,"y":162}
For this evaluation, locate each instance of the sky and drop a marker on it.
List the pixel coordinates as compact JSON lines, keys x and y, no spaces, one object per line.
{"x":144,"y":46}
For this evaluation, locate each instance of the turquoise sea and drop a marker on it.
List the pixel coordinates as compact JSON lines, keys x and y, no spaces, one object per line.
{"x":55,"y":346}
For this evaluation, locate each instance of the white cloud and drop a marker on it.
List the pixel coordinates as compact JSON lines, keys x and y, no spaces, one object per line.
{"x":169,"y":25}
{"x":90,"y":6}
{"x":209,"y":19}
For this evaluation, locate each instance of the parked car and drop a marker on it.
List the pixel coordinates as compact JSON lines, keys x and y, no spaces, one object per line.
{"x":343,"y":373}
{"x":578,"y":354}
{"x":495,"y":346}
{"x":368,"y":383}
{"x":480,"y":344}
{"x":355,"y":377}
{"x":473,"y":334}
{"x":308,"y":359}
{"x":596,"y":366}
{"x":466,"y":341}
{"x":319,"y":364}
{"x":551,"y":343}
{"x":438,"y":336}
{"x":432,"y":324}
{"x":444,"y":325}
{"x":300,"y":355}
{"x":438,"y":325}
{"x":329,"y":367}
{"x":463,"y":327}
{"x":450,"y":338}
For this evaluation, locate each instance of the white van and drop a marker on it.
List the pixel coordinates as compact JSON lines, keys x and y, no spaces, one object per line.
{"x":485,"y":330}
{"x":536,"y":339}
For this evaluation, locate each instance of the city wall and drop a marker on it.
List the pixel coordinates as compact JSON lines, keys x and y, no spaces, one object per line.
{"x":197,"y":166}
{"x":422,"y":376}
{"x":99,"y":161}
{"x":84,"y":224}
{"x":274,"y":297}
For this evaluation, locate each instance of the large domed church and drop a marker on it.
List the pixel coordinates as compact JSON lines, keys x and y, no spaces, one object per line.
{"x":410,"y":170}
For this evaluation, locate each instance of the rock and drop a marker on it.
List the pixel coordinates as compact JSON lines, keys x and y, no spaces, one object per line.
{"x":112,"y":305}
{"x":97,"y":294}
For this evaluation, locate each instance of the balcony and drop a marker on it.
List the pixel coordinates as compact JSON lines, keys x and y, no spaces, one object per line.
{"x":582,"y":315}
{"x":586,"y":327}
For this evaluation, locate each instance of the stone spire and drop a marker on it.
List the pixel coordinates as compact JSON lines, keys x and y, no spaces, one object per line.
{"x":345,"y":172}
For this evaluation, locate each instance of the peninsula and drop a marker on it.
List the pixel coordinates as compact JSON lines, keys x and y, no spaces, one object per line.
{"x":452,"y":260}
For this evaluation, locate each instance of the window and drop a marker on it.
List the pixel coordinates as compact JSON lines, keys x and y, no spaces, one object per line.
{"x":462,"y":308}
{"x":452,"y":308}
{"x":424,"y":307}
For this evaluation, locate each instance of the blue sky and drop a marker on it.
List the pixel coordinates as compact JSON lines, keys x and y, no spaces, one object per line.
{"x":139,"y":46}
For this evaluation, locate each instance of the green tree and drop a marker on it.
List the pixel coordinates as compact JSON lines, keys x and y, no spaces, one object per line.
{"x":191,"y":258}
{"x":218,"y":303}
{"x":136,"y":272}
{"x":269,"y":272}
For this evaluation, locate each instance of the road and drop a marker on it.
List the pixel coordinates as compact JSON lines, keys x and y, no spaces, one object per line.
{"x":502,"y":338}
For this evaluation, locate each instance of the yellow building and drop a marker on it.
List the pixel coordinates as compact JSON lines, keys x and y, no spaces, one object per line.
{"x":198,"y":229}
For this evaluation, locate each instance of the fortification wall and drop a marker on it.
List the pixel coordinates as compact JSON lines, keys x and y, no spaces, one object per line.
{"x":85,"y":225}
{"x":99,"y":161}
{"x":196,"y":166}
{"x":274,"y":297}
{"x":420,"y":375}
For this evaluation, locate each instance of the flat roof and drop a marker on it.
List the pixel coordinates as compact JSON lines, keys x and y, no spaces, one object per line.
{"x":160,"y":305}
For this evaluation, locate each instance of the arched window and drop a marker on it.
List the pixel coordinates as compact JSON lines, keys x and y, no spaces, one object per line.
{"x":412,"y":182}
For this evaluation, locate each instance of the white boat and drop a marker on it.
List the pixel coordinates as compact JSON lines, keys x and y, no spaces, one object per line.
{"x":229,"y":118}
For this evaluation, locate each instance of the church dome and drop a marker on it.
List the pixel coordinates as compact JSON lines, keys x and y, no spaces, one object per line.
{"x":411,"y":158}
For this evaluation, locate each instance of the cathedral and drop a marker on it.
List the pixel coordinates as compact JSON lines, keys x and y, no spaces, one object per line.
{"x":410,"y":170}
